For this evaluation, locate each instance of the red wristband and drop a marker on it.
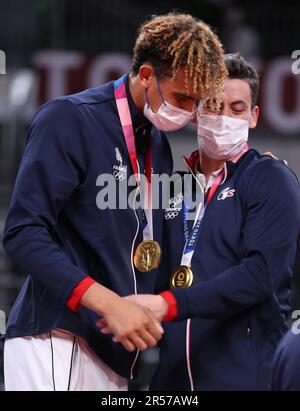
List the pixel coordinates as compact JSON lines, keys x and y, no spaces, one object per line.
{"x":74,"y":299}
{"x":172,"y":306}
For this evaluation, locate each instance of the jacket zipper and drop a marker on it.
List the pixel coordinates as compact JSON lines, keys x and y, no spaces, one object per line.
{"x":249,"y":334}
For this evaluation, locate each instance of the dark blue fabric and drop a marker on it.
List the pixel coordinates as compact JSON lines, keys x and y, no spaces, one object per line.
{"x":240,"y":300}
{"x":54,"y":230}
{"x":286,"y":367}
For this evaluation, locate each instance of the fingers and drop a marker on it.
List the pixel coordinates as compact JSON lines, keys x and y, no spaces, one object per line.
{"x":132,"y":325}
{"x":270,"y":154}
{"x":127,"y":344}
{"x":145,"y":335}
{"x":141,"y":338}
{"x":101,"y":323}
{"x":140,"y":341}
{"x":132,"y":343}
{"x":149,"y":340}
{"x":106,"y":330}
{"x":154,"y":327}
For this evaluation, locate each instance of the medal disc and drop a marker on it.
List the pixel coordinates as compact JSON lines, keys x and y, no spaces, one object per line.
{"x":147,"y":256}
{"x":182,"y":277}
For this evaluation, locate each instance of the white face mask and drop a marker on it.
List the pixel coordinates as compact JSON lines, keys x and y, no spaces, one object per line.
{"x":167,"y":117}
{"x":221,"y":137}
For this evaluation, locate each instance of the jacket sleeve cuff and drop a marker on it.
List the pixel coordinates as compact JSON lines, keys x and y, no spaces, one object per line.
{"x":172,"y":306}
{"x":180,"y":295}
{"x":74,"y":300}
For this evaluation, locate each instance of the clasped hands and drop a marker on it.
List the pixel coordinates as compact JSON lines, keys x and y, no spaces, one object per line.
{"x":135,"y":321}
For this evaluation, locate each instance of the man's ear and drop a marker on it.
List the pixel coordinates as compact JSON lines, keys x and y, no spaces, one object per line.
{"x":254,"y":117}
{"x":146,"y":74}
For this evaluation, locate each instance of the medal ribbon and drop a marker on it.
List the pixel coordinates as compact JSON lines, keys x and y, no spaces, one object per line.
{"x":192,"y":238}
{"x":126,"y":123}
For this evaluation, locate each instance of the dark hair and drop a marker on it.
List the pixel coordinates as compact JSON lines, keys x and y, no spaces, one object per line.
{"x":239,"y":68}
{"x":173,"y":41}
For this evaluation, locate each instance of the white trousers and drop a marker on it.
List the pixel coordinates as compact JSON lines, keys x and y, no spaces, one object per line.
{"x":56,"y":361}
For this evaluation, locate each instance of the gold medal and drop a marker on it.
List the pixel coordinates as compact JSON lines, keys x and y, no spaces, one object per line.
{"x":182,"y":277}
{"x":147,"y":256}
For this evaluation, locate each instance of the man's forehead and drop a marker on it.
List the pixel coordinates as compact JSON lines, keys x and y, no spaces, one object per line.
{"x":236,"y":90}
{"x":180,"y":86}
{"x":185,"y":93}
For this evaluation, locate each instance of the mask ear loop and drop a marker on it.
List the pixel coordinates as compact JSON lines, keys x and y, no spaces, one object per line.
{"x":147,"y":100}
{"x":199,"y":110}
{"x":159,"y":89}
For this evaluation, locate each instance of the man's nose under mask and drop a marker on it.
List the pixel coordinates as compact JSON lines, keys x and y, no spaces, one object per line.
{"x":221,"y":137}
{"x":167,"y":117}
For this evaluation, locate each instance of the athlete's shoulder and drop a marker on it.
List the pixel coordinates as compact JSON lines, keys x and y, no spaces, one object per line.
{"x":95,"y":95}
{"x":264,"y":168}
{"x":68,"y":107}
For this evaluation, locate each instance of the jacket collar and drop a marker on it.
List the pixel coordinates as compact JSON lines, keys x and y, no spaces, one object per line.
{"x":230,"y":165}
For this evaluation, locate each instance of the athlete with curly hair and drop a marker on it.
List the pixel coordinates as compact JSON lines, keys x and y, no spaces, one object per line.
{"x":80,"y":259}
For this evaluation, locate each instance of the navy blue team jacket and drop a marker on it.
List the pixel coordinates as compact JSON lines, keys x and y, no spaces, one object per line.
{"x":54,"y":230}
{"x":240,"y":299}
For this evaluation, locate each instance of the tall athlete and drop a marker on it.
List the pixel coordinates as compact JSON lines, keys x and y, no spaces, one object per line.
{"x":80,"y":259}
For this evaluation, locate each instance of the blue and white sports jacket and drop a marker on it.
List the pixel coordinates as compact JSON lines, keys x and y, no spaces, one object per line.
{"x":239,"y":302}
{"x":56,"y":233}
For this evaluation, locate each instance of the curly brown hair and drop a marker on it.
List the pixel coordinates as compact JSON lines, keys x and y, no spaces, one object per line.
{"x":173,"y":41}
